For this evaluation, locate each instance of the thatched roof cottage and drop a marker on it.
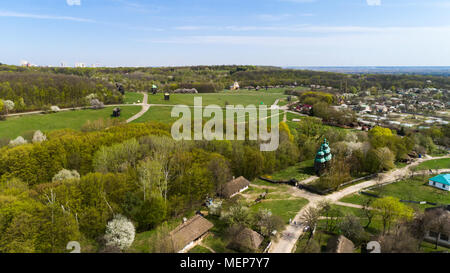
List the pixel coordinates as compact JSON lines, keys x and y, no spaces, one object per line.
{"x":340,"y":244}
{"x":186,"y":235}
{"x":234,"y":187}
{"x":247,"y":239}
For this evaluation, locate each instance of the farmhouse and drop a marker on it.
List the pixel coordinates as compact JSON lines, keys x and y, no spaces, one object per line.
{"x":234,"y":187}
{"x":441,"y":181}
{"x":188,"y":234}
{"x":247,"y":239}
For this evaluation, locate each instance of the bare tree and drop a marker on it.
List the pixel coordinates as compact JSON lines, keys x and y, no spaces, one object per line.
{"x":311,"y":218}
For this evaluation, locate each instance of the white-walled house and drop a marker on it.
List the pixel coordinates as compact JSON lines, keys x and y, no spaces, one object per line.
{"x":441,"y":181}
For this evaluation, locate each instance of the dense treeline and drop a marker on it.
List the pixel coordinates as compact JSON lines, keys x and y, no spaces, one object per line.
{"x":71,"y":184}
{"x":217,"y":78}
{"x":37,"y":90}
{"x":134,"y":170}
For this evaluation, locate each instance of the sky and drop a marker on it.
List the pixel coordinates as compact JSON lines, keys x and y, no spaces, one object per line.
{"x":215,"y":32}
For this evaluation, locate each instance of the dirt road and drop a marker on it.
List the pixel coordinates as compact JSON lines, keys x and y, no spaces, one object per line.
{"x":289,"y":237}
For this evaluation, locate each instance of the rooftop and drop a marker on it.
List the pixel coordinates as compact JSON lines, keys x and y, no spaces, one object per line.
{"x":442,"y":178}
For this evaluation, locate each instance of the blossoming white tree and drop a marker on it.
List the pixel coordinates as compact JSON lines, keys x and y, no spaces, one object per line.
{"x":17,"y":142}
{"x":120,"y":232}
{"x":65,"y":175}
{"x":9,"y":105}
{"x":55,"y":109}
{"x":39,"y":137}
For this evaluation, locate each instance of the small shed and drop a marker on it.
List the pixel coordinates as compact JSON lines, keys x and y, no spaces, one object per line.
{"x":340,"y":244}
{"x":234,"y":187}
{"x":441,"y":181}
{"x":247,"y":239}
{"x":116,"y":112}
{"x":186,"y":235}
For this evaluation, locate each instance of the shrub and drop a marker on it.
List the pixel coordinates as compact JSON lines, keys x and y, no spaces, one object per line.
{"x":39,"y":137}
{"x":54,"y":109}
{"x":66,"y":175}
{"x":120,"y":232}
{"x":96,"y":104}
{"x":17,"y":142}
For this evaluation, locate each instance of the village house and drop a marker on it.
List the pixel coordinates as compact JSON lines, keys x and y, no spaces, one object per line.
{"x":234,"y":187}
{"x":189,"y":233}
{"x":441,"y":181}
{"x":246,"y":239}
{"x":340,"y":244}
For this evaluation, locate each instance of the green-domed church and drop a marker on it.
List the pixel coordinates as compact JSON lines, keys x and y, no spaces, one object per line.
{"x":323,"y":157}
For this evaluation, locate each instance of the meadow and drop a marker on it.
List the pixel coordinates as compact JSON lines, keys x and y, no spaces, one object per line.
{"x":133,"y":97}
{"x":221,"y":99}
{"x":17,"y":126}
{"x":414,"y":189}
{"x":434,"y":164}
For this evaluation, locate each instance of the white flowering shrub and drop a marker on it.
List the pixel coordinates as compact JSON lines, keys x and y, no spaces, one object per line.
{"x":65,"y":175}
{"x":9,"y":105}
{"x":55,"y":108}
{"x":215,"y":208}
{"x":39,"y":137}
{"x":17,"y":142}
{"x":120,"y":232}
{"x":91,"y":97}
{"x":96,"y":104}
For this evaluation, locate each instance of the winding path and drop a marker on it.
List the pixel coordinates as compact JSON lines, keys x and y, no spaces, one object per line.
{"x":289,"y":237}
{"x":145,"y":107}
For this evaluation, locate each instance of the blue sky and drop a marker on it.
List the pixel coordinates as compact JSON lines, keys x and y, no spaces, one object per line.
{"x":193,"y":32}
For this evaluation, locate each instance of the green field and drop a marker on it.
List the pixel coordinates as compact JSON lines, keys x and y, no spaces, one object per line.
{"x":133,"y":97}
{"x":286,"y":209}
{"x":16,"y":126}
{"x":199,"y":249}
{"x":163,"y":114}
{"x":415,"y":189}
{"x":434,"y":164}
{"x":299,"y":171}
{"x":221,"y":99}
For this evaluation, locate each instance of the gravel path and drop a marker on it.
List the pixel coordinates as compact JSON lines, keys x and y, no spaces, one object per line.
{"x":145,"y":107}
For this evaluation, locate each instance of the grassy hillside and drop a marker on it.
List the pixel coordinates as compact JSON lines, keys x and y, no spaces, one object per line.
{"x":16,"y":126}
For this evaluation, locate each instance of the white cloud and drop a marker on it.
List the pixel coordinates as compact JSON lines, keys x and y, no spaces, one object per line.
{"x":42,"y":16}
{"x":374,"y":2}
{"x":73,"y":2}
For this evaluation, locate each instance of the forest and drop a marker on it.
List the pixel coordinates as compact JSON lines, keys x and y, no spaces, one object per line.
{"x":38,"y":90}
{"x":68,"y":185}
{"x":34,"y":87}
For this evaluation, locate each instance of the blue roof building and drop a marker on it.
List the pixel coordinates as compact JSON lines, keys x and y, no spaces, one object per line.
{"x":441,"y":181}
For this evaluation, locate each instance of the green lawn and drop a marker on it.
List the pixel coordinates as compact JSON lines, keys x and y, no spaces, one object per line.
{"x":299,"y":171}
{"x":344,"y":211}
{"x":133,"y":97}
{"x":216,"y":240}
{"x":443,"y":163}
{"x":16,"y":126}
{"x":163,"y":114}
{"x":321,"y":238}
{"x":415,"y":189}
{"x":286,"y":209}
{"x":199,"y":249}
{"x":221,"y":99}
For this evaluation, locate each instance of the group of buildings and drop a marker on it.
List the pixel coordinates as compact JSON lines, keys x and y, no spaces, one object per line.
{"x":413,"y":107}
